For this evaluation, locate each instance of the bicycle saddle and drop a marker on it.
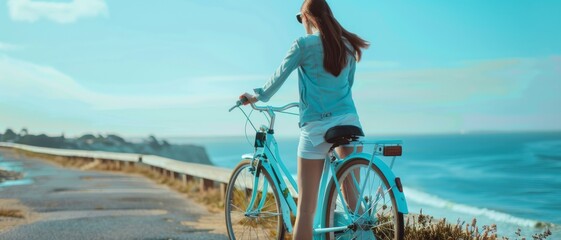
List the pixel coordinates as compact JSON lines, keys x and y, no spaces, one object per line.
{"x":343,"y":133}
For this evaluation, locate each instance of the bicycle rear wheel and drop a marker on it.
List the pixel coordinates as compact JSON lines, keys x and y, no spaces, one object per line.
{"x":376,"y":216}
{"x":263,"y":220}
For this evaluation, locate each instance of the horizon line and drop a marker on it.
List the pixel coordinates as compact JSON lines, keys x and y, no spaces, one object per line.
{"x":164,"y":137}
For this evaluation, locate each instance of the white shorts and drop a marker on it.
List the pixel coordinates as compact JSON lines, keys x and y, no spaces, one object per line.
{"x":312,"y":145}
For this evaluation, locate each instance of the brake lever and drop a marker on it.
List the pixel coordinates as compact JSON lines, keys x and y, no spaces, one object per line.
{"x":238,"y":103}
{"x":243,"y":100}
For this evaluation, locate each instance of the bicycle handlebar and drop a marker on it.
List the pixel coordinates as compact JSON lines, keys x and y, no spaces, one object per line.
{"x":275,"y":109}
{"x":269,"y":109}
{"x":265,"y":108}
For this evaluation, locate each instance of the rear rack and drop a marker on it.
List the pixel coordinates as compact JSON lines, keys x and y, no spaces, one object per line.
{"x":386,"y":148}
{"x":382,"y":142}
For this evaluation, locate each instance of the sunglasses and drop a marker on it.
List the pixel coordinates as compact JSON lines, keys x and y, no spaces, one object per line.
{"x":299,"y":17}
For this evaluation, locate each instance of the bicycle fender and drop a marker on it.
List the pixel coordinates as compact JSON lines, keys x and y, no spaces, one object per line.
{"x":390,"y":176}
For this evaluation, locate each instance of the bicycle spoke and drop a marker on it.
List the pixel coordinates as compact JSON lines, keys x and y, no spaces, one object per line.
{"x":243,"y":230}
{"x":271,"y":204}
{"x":372,"y":207}
{"x":268,"y":235}
{"x":256,"y":233}
{"x":239,"y":209}
{"x":271,"y":214}
{"x":384,"y":233}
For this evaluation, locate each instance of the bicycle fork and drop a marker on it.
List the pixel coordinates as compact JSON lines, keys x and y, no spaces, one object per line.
{"x":287,"y":203}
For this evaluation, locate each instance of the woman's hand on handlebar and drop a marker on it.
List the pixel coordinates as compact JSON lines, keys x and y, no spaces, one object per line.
{"x":248,"y":98}
{"x":245,"y":99}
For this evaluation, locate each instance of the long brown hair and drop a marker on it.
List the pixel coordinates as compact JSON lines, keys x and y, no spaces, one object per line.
{"x":335,"y":51}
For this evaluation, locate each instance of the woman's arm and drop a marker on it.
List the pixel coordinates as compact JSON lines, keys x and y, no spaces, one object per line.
{"x":290,"y":62}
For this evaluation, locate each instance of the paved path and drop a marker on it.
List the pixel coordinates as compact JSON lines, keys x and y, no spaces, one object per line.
{"x":72,"y":204}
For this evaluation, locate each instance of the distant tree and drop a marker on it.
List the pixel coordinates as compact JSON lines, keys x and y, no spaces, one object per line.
{"x":27,"y":139}
{"x":86,"y":137}
{"x":43,"y":140}
{"x":116,"y":138}
{"x":9,"y":136}
{"x":23,"y":132}
{"x":154,"y":143}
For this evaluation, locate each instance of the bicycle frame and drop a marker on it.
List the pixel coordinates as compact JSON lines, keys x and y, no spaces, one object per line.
{"x":267,"y":156}
{"x":270,"y":160}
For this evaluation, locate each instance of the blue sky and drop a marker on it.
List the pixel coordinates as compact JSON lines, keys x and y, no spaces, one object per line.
{"x":173,"y":68}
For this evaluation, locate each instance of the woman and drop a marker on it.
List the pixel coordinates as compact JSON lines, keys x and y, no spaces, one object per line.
{"x":326,"y":60}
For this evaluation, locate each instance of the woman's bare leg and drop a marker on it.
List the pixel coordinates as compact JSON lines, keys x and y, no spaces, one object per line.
{"x":309,"y":176}
{"x":349,"y":190}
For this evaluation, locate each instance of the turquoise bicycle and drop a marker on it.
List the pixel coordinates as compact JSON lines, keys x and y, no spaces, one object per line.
{"x":359,"y":197}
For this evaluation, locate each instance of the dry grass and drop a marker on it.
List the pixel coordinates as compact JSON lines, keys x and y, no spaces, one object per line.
{"x":9,"y":175}
{"x":427,"y":228}
{"x":12,"y":213}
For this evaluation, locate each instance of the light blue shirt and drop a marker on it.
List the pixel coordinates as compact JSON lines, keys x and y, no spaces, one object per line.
{"x":322,"y":94}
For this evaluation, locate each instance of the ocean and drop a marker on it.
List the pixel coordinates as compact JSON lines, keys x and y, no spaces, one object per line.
{"x":510,"y":179}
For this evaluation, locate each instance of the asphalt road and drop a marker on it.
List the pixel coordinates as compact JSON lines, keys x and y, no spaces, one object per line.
{"x":74,"y":204}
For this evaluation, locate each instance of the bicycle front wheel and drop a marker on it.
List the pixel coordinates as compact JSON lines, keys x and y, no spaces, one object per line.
{"x":261,"y":220}
{"x":363,"y":200}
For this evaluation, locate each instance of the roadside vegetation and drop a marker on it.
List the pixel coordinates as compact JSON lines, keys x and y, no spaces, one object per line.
{"x":426,"y":227}
{"x":11,"y":213}
{"x":9,"y":175}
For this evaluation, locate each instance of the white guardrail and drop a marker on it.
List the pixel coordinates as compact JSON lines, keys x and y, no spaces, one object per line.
{"x":209,"y":175}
